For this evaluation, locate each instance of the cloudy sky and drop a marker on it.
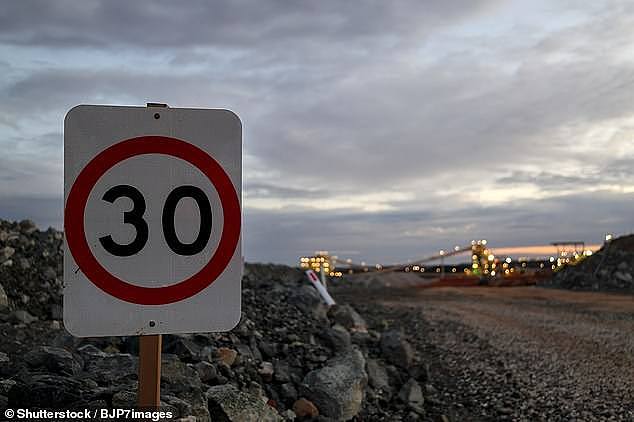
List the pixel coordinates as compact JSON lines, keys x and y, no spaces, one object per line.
{"x":377,"y":130}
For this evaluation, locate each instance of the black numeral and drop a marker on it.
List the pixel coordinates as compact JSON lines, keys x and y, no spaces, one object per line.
{"x":135,"y":217}
{"x":205,"y":220}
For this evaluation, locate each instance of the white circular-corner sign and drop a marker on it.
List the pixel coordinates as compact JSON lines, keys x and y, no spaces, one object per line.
{"x":152,"y":219}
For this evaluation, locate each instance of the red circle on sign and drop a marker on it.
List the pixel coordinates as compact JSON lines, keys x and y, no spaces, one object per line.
{"x":97,"y":167}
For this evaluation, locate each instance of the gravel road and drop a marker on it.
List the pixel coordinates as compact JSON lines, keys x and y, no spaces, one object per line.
{"x":523,"y":353}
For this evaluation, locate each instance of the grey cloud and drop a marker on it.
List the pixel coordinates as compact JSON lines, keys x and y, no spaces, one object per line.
{"x":267,"y":190}
{"x":161,"y":24}
{"x":348,"y":99}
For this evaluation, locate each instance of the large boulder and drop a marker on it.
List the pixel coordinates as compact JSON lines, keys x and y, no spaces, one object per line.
{"x":53,"y":359}
{"x":338,"y":388}
{"x":49,"y":391}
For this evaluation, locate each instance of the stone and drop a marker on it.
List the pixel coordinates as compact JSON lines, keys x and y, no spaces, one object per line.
{"x":6,"y":253}
{"x":173,"y":371}
{"x":90,"y":350}
{"x":281,"y":372}
{"x":227,"y":355}
{"x":377,"y":375}
{"x":27,"y":226}
{"x":623,"y":276}
{"x":266,"y":371}
{"x":124,"y":399}
{"x":6,"y":386}
{"x":183,"y":409}
{"x":4,"y":299}
{"x":337,"y":337}
{"x":288,"y":392}
{"x":228,"y":404}
{"x":269,"y":350}
{"x":50,"y":273}
{"x":186,"y":349}
{"x":289,"y":415}
{"x":181,"y":380}
{"x":346,"y":316}
{"x":412,"y":394}
{"x":106,"y":368}
{"x":307,"y":300}
{"x":337,"y":389}
{"x":207,"y":372}
{"x":22,"y":316}
{"x":396,"y":349}
{"x":305,"y":408}
{"x":53,"y":359}
{"x":48,"y":391}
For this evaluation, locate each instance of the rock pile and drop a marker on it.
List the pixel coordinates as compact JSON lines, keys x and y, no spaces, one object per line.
{"x":290,"y":358}
{"x":609,"y":269}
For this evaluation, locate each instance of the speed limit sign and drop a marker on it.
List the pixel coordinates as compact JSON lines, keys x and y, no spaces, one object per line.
{"x":152,"y":219}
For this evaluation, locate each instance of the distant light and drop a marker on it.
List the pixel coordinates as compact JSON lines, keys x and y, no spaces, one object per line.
{"x":491,"y":257}
{"x":456,"y":248}
{"x":442,"y":252}
{"x":508,"y":260}
{"x":588,"y":252}
{"x":492,"y":273}
{"x":552,"y":259}
{"x":484,"y":241}
{"x":608,"y":237}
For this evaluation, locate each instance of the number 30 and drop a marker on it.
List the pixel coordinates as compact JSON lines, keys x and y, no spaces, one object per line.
{"x":135,"y":218}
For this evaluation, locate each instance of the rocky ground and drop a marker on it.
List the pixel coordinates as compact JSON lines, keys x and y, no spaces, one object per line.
{"x":290,"y":358}
{"x":383,"y":353}
{"x":609,"y":269}
{"x":520,"y":354}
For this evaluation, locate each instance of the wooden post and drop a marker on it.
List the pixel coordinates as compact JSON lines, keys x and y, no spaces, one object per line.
{"x":149,"y":392}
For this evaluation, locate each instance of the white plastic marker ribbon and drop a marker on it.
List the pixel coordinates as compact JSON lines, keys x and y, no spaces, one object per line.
{"x":320,"y":287}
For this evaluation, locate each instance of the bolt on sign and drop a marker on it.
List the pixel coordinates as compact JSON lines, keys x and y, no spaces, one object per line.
{"x":153,"y":220}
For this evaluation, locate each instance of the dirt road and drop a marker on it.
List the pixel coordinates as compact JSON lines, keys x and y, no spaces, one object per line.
{"x":521,"y":353}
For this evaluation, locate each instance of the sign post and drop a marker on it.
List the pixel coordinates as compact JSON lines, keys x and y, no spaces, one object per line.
{"x":149,"y":394}
{"x":152,"y":219}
